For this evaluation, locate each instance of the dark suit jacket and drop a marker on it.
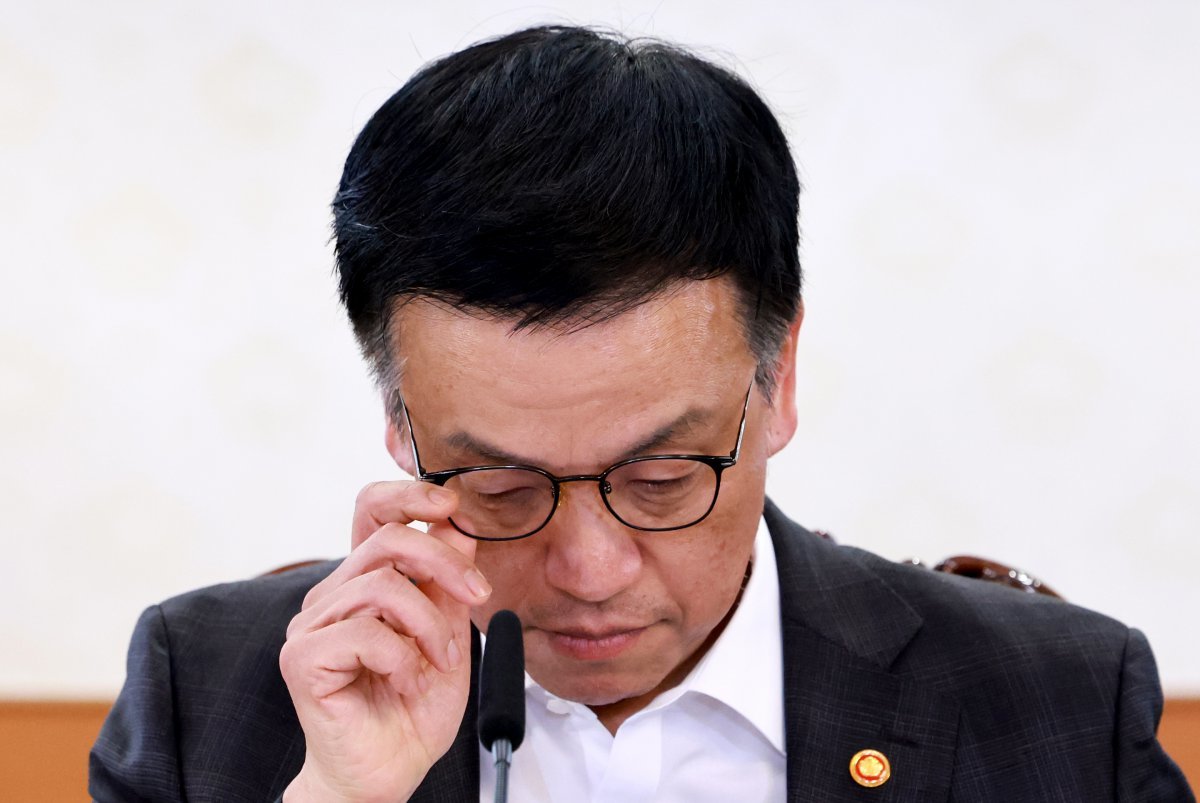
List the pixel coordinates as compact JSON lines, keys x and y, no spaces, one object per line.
{"x":974,"y":691}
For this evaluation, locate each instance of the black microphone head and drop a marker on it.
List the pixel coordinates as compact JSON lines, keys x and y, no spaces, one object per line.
{"x":502,"y":682}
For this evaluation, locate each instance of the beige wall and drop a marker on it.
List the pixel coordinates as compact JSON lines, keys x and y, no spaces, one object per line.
{"x":1000,"y":234}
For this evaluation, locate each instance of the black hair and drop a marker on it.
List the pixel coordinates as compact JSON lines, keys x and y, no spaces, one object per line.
{"x":561,"y":176}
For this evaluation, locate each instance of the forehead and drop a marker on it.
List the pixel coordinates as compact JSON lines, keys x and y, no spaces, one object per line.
{"x":689,"y":341}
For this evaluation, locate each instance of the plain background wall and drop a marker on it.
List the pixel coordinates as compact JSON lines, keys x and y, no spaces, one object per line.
{"x":1000,"y":235}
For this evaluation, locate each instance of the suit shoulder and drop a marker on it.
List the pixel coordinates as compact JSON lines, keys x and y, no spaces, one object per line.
{"x":998,"y":643}
{"x":988,"y":609}
{"x":238,"y":615}
{"x":873,"y":605}
{"x":248,"y":598}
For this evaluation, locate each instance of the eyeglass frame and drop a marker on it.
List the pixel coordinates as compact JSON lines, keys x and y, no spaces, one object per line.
{"x":718,"y":464}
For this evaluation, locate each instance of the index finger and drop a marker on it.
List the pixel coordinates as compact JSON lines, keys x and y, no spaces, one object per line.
{"x":442,"y":556}
{"x":398,"y":502}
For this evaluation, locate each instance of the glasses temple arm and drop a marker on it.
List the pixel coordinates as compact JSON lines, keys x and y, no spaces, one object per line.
{"x":737,"y":449}
{"x":412,"y":440}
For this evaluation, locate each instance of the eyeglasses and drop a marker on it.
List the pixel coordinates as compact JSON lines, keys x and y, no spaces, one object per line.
{"x":656,"y":493}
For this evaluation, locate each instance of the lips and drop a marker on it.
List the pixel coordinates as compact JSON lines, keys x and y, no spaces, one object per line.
{"x":593,"y":645}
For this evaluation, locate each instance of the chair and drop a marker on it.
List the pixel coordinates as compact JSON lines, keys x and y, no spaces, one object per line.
{"x":995,"y":572}
{"x":300,"y":564}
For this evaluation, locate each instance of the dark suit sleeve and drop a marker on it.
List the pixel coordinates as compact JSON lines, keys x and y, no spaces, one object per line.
{"x":136,"y":757}
{"x":1145,"y":773}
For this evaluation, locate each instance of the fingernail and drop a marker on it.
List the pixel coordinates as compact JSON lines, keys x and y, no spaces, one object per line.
{"x":439,"y":495}
{"x":453,"y":654}
{"x":477,"y":583}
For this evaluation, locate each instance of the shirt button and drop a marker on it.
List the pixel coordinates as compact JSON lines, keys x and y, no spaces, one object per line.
{"x":557,"y":706}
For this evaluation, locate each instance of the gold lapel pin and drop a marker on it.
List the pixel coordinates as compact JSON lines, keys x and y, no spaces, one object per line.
{"x":870,"y":768}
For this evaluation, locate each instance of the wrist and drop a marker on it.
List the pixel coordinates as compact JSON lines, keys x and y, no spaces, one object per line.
{"x":306,"y":787}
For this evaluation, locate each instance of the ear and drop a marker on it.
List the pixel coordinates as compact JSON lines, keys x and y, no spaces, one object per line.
{"x":781,"y":415}
{"x":399,"y":444}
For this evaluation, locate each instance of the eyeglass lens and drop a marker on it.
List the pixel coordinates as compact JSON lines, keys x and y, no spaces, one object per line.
{"x":651,"y":494}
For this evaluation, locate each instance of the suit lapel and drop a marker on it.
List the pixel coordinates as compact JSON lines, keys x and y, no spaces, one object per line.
{"x":843,"y":628}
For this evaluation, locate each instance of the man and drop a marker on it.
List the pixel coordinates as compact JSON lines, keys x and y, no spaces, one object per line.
{"x":571,"y":261}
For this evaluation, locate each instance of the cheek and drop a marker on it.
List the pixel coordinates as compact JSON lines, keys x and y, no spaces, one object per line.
{"x":514,"y":570}
{"x":705,"y":575}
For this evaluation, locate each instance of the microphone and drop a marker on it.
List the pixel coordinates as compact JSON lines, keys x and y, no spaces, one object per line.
{"x":502,"y":694}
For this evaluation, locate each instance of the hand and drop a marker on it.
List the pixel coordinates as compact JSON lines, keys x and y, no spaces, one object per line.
{"x":378,"y":659}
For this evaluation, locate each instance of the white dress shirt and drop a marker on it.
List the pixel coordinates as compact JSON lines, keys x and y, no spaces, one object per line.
{"x":717,"y":736}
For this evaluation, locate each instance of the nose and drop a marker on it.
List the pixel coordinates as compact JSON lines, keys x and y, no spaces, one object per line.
{"x":589,"y":554}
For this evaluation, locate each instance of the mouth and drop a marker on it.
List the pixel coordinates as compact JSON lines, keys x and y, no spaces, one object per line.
{"x":593,"y":645}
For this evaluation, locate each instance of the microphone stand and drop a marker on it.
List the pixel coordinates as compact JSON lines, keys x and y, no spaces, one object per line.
{"x":502,"y":752}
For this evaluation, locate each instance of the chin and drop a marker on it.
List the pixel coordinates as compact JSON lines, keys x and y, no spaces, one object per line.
{"x":594,"y":686}
{"x":597,"y":696}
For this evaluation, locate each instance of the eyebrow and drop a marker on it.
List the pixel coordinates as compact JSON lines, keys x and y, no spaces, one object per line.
{"x":494,"y":455}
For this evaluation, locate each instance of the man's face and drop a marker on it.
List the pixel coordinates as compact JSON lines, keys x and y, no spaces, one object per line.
{"x":612,"y":615}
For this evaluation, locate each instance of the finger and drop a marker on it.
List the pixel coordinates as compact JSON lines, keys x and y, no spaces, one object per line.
{"x":399,"y":502}
{"x":457,"y":613}
{"x":464,"y":545}
{"x":447,"y":534}
{"x":423,"y":557}
{"x":456,"y":608}
{"x":387,"y":595}
{"x":324,"y":662}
